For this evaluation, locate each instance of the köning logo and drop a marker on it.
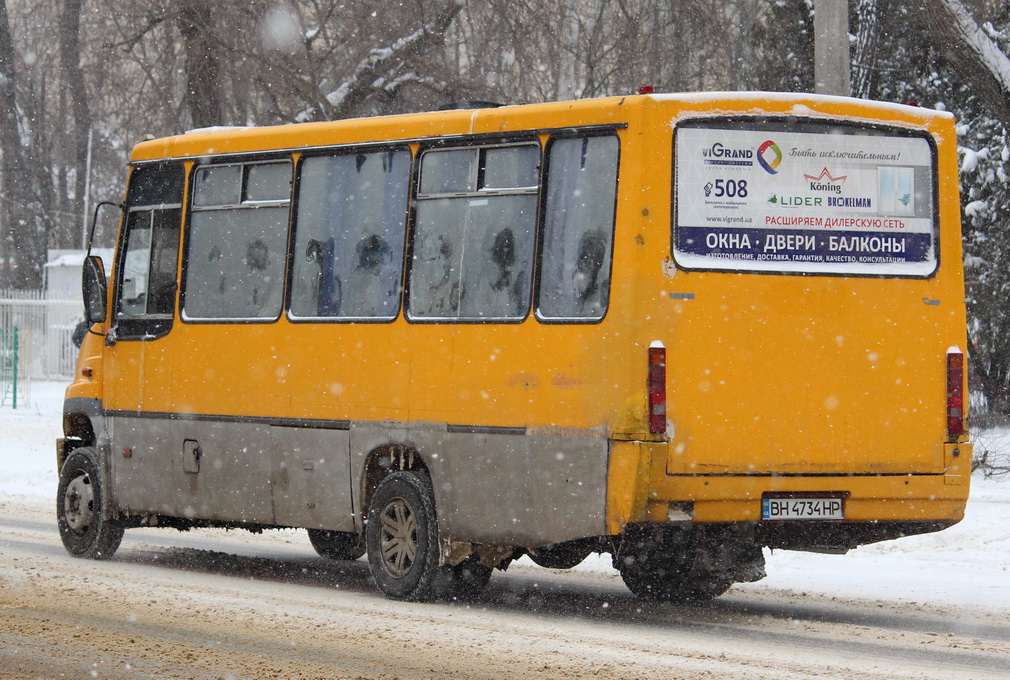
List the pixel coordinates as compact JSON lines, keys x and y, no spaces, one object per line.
{"x":826,"y":182}
{"x":769,"y":156}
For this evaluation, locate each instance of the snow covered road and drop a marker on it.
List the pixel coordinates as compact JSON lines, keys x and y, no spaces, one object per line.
{"x":215,"y":604}
{"x":226,"y":605}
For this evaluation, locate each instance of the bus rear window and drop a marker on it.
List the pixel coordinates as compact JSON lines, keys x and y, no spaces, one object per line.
{"x":808,"y":197}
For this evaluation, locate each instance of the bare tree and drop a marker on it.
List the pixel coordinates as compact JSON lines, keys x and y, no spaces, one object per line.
{"x":25,"y":230}
{"x":864,"y":67}
{"x":203,"y":61}
{"x":543,"y":50}
{"x":80,"y":112}
{"x":976,"y":56}
{"x":386,"y":68}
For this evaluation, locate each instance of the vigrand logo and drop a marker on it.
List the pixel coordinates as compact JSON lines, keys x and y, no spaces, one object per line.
{"x":717,"y":154}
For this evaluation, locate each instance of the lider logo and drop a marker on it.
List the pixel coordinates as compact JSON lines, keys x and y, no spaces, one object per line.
{"x":769,"y":156}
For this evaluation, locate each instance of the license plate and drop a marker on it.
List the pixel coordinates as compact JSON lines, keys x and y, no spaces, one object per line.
{"x":802,"y":508}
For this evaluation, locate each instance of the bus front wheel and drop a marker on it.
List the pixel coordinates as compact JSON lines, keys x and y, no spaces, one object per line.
{"x":84,"y":529}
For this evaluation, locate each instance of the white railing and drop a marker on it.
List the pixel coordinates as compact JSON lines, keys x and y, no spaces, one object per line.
{"x":45,"y":332}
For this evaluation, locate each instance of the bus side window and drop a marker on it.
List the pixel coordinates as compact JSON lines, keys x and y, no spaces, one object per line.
{"x":149,"y":264}
{"x":349,"y":235}
{"x":578,"y":229}
{"x":147,"y":271}
{"x":474,"y":233}
{"x":237,"y":241}
{"x":133,"y":284}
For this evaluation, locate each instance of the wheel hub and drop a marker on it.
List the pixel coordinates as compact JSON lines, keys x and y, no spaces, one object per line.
{"x":79,"y":504}
{"x":398,"y":537}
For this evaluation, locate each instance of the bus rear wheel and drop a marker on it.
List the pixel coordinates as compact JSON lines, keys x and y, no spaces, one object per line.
{"x":402,"y":541}
{"x":84,"y":530}
{"x":667,"y":580}
{"x":657,"y":582}
{"x":401,"y":537}
{"x":671,"y":567}
{"x":562,"y":555}
{"x":336,"y":545}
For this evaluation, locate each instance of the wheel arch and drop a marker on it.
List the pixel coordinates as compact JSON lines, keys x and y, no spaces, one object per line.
{"x":379,"y":449}
{"x":83,"y":425}
{"x":382,"y":461}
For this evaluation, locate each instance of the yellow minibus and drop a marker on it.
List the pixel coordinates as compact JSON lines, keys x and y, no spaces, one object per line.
{"x":675,"y":328}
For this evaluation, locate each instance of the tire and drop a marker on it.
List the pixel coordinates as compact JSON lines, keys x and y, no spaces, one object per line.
{"x":402,"y":539}
{"x":660,"y":583}
{"x":85,"y":531}
{"x":336,"y":545}
{"x":464,"y":582}
{"x":669,"y":571}
{"x":561,"y":555}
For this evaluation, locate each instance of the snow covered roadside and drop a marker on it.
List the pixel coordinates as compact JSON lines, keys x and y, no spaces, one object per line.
{"x":967,"y":565}
{"x":28,"y":443}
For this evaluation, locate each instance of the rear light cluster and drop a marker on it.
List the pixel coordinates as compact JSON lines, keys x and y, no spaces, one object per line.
{"x":955,"y":393}
{"x":657,"y":388}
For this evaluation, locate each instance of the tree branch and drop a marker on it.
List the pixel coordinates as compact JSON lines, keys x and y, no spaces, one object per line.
{"x":974,"y":55}
{"x":131,"y":42}
{"x":372,"y":71}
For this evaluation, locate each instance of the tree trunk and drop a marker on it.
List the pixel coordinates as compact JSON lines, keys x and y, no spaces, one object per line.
{"x":73,"y":76}
{"x":864,"y":72}
{"x":23,"y":249}
{"x":831,"y":47}
{"x":203,"y":63}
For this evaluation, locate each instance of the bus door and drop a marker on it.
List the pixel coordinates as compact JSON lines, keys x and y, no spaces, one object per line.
{"x":145,"y":285}
{"x":137,"y":366}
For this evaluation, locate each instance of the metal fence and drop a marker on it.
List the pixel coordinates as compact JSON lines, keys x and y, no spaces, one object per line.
{"x":15,"y":379}
{"x":45,"y":329}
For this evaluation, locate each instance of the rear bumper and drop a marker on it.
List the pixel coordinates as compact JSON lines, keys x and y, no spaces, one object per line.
{"x":867,"y":498}
{"x":907,"y":503}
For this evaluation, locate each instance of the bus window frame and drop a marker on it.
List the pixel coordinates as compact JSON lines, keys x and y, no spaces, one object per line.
{"x":575,"y":133}
{"x":807,"y":124}
{"x":478,"y":142}
{"x":260,"y":158}
{"x":542,"y":137}
{"x":347,"y":150}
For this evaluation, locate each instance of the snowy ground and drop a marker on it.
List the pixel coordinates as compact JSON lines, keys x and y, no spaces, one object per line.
{"x":968,"y":564}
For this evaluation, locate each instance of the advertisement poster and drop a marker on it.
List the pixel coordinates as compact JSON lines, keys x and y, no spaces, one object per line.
{"x":824,"y":200}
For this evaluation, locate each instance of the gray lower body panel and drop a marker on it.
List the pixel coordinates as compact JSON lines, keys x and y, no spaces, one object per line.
{"x":497,"y":487}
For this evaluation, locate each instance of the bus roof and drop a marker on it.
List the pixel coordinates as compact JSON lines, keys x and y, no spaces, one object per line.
{"x":602,"y":111}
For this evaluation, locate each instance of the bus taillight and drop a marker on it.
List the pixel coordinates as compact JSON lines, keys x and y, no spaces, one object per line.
{"x":955,"y":393}
{"x":657,"y":388}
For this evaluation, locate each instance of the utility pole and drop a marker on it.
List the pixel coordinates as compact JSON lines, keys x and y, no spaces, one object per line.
{"x":87,"y":192}
{"x":831,"y":47}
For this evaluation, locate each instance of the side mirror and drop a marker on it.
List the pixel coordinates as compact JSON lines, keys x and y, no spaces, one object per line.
{"x":95,"y":288}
